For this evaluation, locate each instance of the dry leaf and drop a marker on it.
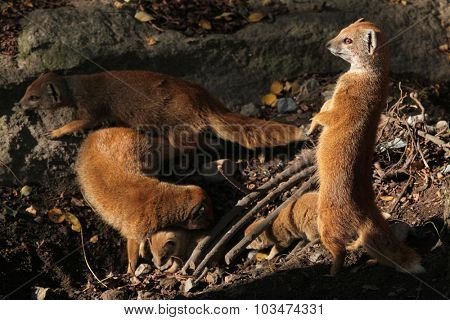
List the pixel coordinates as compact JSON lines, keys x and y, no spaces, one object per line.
{"x":25,"y":191}
{"x":276,"y":87}
{"x":31,"y":210}
{"x":151,"y":41}
{"x":226,"y":15}
{"x":261,"y":256}
{"x":269,"y":99}
{"x":387,"y":198}
{"x":55,"y":215}
{"x":255,"y":16}
{"x":443,"y":47}
{"x":295,"y":87}
{"x":143,"y":16}
{"x":93,"y":239}
{"x":205,"y":24}
{"x":73,"y":220}
{"x":28,"y":4}
{"x":118,"y":4}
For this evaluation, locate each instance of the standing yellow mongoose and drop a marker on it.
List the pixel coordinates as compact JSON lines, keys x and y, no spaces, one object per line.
{"x":171,"y":247}
{"x":110,"y":169}
{"x":346,"y":206}
{"x":177,"y":108}
{"x":297,"y":221}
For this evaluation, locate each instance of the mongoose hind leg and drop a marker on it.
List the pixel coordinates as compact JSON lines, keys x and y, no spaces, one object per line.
{"x":133,"y":255}
{"x":71,"y":127}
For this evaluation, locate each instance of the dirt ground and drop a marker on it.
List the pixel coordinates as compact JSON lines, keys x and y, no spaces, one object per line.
{"x":39,"y":255}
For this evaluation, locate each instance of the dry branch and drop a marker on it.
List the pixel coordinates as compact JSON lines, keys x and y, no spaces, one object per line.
{"x":267,"y":221}
{"x":306,"y":159}
{"x":295,"y":179}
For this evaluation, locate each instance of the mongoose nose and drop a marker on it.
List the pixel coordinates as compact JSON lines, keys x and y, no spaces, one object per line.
{"x":328,"y":45}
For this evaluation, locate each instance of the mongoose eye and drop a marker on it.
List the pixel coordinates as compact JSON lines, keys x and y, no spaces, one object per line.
{"x":33,"y":98}
{"x":347,"y":41}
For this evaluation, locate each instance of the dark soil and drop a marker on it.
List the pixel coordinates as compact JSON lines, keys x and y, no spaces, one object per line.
{"x":36,"y":252}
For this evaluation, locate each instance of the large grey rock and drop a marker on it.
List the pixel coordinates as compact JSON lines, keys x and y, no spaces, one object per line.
{"x":237,"y":67}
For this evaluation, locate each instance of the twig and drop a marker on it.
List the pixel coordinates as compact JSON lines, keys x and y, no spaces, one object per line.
{"x":305,"y":173}
{"x":87,"y":263}
{"x":397,"y":200}
{"x":297,"y":254}
{"x":12,"y":172}
{"x":307,"y":158}
{"x":230,"y":179}
{"x":413,"y":96}
{"x":434,"y":139}
{"x":267,"y":221}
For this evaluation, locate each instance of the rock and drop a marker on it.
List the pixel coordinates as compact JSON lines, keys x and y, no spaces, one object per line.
{"x":113,"y":294}
{"x":286,"y":105}
{"x":188,"y":285}
{"x":68,"y":39}
{"x":309,"y":87}
{"x":413,"y":120}
{"x":250,"y":110}
{"x":446,"y":169}
{"x":143,"y":268}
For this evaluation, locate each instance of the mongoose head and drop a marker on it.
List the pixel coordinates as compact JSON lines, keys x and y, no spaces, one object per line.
{"x":49,"y":91}
{"x":363,"y":44}
{"x":261,"y":242}
{"x":200,"y":212}
{"x":169,"y":248}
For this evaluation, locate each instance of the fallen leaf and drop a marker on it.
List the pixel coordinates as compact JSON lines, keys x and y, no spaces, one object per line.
{"x":255,"y":16}
{"x":118,"y":4}
{"x":295,"y":87}
{"x":269,"y":99}
{"x":143,"y":16}
{"x":226,"y":15}
{"x":28,"y":4}
{"x":276,"y":87}
{"x":73,"y":220}
{"x":443,"y":47}
{"x":26,"y":191}
{"x":31,"y":210}
{"x":205,"y":24}
{"x":387,"y":198}
{"x":93,"y":239}
{"x":55,"y":215}
{"x":151,"y":41}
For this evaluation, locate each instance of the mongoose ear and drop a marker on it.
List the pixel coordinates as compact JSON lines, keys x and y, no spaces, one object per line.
{"x":360,"y":20}
{"x":371,"y":40}
{"x":54,"y":93}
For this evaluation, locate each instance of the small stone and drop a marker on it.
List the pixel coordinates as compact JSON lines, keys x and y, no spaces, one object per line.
{"x":446,"y":170}
{"x":286,"y":105}
{"x":250,"y":110}
{"x":401,"y":230}
{"x":113,"y":294}
{"x":143,"y":268}
{"x":25,"y":191}
{"x":309,"y":86}
{"x":441,"y":126}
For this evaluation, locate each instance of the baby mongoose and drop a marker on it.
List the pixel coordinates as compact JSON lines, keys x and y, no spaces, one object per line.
{"x":346,"y":206}
{"x":171,"y":247}
{"x":177,"y":108}
{"x":297,"y":221}
{"x":110,"y":173}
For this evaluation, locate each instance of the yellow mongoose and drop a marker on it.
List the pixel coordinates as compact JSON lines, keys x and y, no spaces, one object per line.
{"x":297,"y":221}
{"x":171,"y":247}
{"x":109,"y":169}
{"x":152,"y":101}
{"x":346,"y":206}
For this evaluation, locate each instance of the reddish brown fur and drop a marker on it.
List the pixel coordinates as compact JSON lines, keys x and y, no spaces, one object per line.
{"x":171,"y":247}
{"x":153,"y":101}
{"x":347,"y":208}
{"x":297,"y":221}
{"x":109,"y":169}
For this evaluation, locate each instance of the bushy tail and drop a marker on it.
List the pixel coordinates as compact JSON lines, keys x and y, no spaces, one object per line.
{"x":253,"y":133}
{"x":380,"y":242}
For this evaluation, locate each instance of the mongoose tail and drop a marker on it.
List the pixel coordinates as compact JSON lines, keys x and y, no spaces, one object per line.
{"x":253,"y":133}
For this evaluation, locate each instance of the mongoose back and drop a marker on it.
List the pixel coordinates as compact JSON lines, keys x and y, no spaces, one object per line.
{"x":109,"y":169}
{"x":171,"y":247}
{"x":297,"y":221}
{"x":175,"y":107}
{"x":346,"y":206}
